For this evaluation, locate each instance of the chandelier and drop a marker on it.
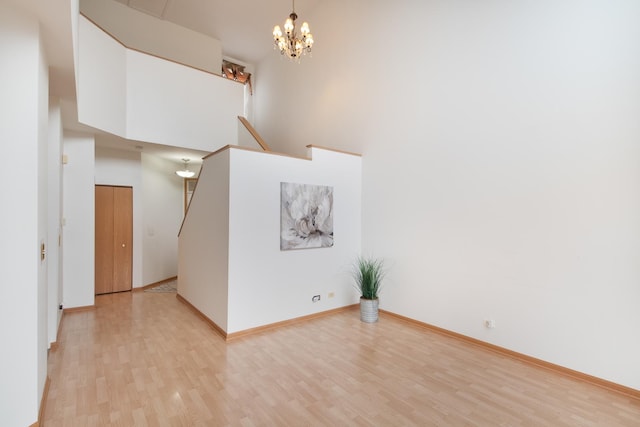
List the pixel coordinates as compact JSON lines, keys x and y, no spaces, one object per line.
{"x":288,"y":43}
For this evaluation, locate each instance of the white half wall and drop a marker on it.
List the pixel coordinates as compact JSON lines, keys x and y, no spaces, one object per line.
{"x":500,"y":172}
{"x":78,"y":255}
{"x":170,"y":104}
{"x":267,"y":285}
{"x":124,"y":168}
{"x":145,"y":98}
{"x":203,"y":244}
{"x":170,"y":41}
{"x":231,"y":267}
{"x":162,"y":213}
{"x":101,"y":78}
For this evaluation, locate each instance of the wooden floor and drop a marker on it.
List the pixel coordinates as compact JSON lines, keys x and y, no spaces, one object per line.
{"x":144,"y":359}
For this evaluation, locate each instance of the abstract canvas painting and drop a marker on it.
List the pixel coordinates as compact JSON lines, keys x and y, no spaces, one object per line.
{"x":306,"y":216}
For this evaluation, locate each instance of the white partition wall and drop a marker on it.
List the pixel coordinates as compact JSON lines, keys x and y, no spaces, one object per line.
{"x":231,"y":267}
{"x":203,"y":244}
{"x":162,"y":213}
{"x":267,"y":285}
{"x":79,"y":220}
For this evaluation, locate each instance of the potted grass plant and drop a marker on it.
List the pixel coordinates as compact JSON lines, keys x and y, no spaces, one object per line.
{"x":368,"y":274}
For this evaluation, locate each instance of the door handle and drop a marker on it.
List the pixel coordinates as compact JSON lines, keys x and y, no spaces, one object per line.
{"x":123,"y":245}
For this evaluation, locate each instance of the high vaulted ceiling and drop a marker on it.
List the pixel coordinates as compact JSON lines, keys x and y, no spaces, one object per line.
{"x":243,"y":26}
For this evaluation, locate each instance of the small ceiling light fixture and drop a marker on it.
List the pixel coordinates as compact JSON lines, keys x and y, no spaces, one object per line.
{"x":289,"y":44}
{"x":186,"y":173}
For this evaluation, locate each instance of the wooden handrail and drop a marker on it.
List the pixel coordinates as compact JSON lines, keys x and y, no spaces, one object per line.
{"x":254,"y":133}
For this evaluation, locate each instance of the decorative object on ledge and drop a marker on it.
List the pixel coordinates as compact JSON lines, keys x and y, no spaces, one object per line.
{"x":186,"y":173}
{"x":236,"y":73}
{"x":306,"y":216}
{"x":368,"y":274}
{"x":288,"y":43}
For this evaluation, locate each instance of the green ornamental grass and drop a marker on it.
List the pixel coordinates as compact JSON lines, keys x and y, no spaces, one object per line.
{"x":368,"y":274}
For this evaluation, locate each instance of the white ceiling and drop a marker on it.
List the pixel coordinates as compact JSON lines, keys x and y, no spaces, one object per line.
{"x":176,"y":154}
{"x":243,"y":26}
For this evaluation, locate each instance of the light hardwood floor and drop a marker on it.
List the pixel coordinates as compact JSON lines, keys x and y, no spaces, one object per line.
{"x":145,"y":359}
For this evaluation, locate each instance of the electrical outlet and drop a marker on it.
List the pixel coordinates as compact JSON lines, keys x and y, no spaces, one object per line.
{"x":315,"y":298}
{"x":490,"y":323}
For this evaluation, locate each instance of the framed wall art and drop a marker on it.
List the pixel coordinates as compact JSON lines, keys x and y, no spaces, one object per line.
{"x":306,"y":216}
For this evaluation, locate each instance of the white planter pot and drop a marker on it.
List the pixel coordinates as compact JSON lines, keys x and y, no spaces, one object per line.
{"x":369,"y":310}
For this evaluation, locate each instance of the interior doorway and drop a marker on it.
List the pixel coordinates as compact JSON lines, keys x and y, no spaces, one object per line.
{"x":113,"y":239}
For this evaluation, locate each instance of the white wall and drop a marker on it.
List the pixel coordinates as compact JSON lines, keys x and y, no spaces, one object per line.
{"x":123,"y":168}
{"x":24,"y":81}
{"x":170,"y":104}
{"x":145,"y":98}
{"x":157,"y":213}
{"x":245,"y":139}
{"x":169,"y":40}
{"x":54,"y":239}
{"x":78,"y":201}
{"x":162,"y":213}
{"x":75,"y":24}
{"x":101,"y":78}
{"x":500,"y":173}
{"x":43,"y":207}
{"x":230,"y":264}
{"x":267,"y":285}
{"x":203,"y":244}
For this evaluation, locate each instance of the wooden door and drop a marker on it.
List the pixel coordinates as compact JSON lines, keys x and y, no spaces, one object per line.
{"x":104,"y":240}
{"x":114,"y":231}
{"x":122,"y":238}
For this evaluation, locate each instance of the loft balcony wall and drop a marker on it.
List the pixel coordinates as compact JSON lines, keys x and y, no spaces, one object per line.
{"x":142,"y":97}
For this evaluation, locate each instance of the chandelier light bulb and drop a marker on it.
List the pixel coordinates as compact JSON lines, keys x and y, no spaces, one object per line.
{"x":304,"y":30}
{"x":277,"y":32}
{"x":288,"y":26}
